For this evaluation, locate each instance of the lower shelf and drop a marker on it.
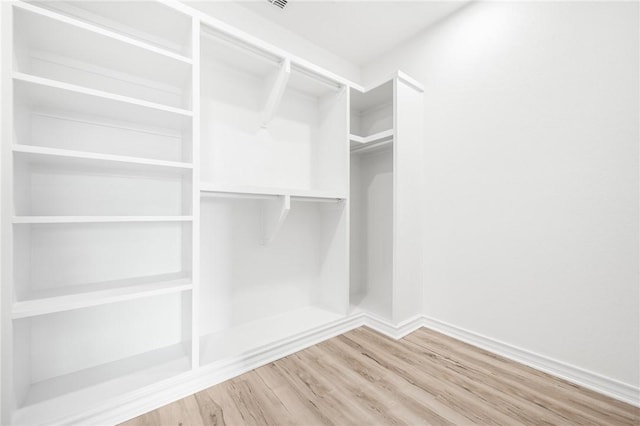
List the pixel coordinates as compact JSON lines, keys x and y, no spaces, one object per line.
{"x":94,"y":294}
{"x":63,"y":396}
{"x":249,"y":337}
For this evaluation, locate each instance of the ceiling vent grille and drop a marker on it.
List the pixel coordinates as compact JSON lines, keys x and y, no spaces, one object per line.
{"x":280,"y":3}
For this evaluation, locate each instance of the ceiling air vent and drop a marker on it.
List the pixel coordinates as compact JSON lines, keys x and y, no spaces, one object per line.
{"x":280,"y":3}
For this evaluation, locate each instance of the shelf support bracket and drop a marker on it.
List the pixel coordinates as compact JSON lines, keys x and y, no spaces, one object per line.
{"x":275,"y":87}
{"x":274,"y":213}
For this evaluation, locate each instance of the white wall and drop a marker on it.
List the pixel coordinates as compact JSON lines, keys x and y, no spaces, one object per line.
{"x":531,"y":162}
{"x":244,"y":19}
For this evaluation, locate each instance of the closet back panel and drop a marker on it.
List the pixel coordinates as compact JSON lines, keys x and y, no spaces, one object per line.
{"x":298,"y":148}
{"x":372,"y":112}
{"x":66,"y":352}
{"x":168,"y":29}
{"x":372,"y":230}
{"x":375,"y":120}
{"x":81,"y":132}
{"x":79,"y":190}
{"x":244,"y":280}
{"x":237,"y":150}
{"x":48,"y":48}
{"x":63,"y":343}
{"x":330,"y":149}
{"x":66,"y":255}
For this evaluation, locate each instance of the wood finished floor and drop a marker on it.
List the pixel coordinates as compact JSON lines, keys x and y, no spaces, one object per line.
{"x":365,"y":378}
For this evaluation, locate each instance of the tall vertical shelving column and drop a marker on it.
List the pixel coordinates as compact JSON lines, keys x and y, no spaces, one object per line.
{"x":195,"y":194}
{"x":98,"y":260}
{"x":386,"y":139}
{"x":408,"y":184}
{"x":274,"y":154}
{"x":7,"y":405}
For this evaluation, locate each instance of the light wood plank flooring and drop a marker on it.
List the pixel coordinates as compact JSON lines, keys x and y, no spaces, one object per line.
{"x":365,"y":378}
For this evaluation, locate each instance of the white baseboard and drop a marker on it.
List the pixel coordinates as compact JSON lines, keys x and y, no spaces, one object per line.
{"x":397,"y":331}
{"x":150,"y":398}
{"x":590,"y":380}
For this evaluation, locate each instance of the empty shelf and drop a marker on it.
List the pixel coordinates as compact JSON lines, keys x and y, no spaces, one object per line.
{"x":266,"y":192}
{"x":65,"y":395}
{"x":98,"y":219}
{"x":368,"y":143}
{"x":68,"y":158}
{"x":43,"y":93}
{"x":82,"y":296}
{"x":250,"y":337}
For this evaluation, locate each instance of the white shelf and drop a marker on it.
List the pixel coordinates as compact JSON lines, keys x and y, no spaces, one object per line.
{"x":377,"y":137}
{"x":82,"y":296}
{"x":262,"y":192}
{"x":49,"y":31}
{"x":373,"y":98}
{"x":98,"y":219}
{"x":311,"y":84}
{"x":250,"y":337}
{"x":86,"y":389}
{"x":359,"y":144}
{"x":236,"y":54}
{"x":169,"y":28}
{"x":43,"y":93}
{"x":65,"y":157}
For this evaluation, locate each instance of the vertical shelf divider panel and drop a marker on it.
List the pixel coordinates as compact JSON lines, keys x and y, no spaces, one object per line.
{"x":407,"y":189}
{"x":195,"y":195}
{"x":8,"y":401}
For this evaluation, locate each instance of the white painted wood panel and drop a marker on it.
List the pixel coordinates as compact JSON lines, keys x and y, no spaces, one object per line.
{"x":372,"y":232}
{"x":144,"y":161}
{"x":408,"y":181}
{"x":243,"y":280}
{"x":169,"y":29}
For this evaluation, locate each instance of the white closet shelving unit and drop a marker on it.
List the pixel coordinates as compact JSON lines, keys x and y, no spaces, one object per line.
{"x":385,"y":262}
{"x":274,"y":170}
{"x":98,"y":151}
{"x":178,"y":205}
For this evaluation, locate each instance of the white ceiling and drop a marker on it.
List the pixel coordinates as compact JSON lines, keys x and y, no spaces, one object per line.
{"x":357,"y":31}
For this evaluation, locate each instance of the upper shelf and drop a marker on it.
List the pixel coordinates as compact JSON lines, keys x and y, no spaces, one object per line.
{"x":41,"y":93}
{"x":266,"y":192}
{"x":311,"y":84}
{"x":239,"y":55}
{"x":222,"y":49}
{"x":365,"y":140}
{"x":68,"y":158}
{"x":169,"y":29}
{"x":380,"y":95}
{"x":97,"y":219}
{"x":376,"y":141}
{"x":41,"y":30}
